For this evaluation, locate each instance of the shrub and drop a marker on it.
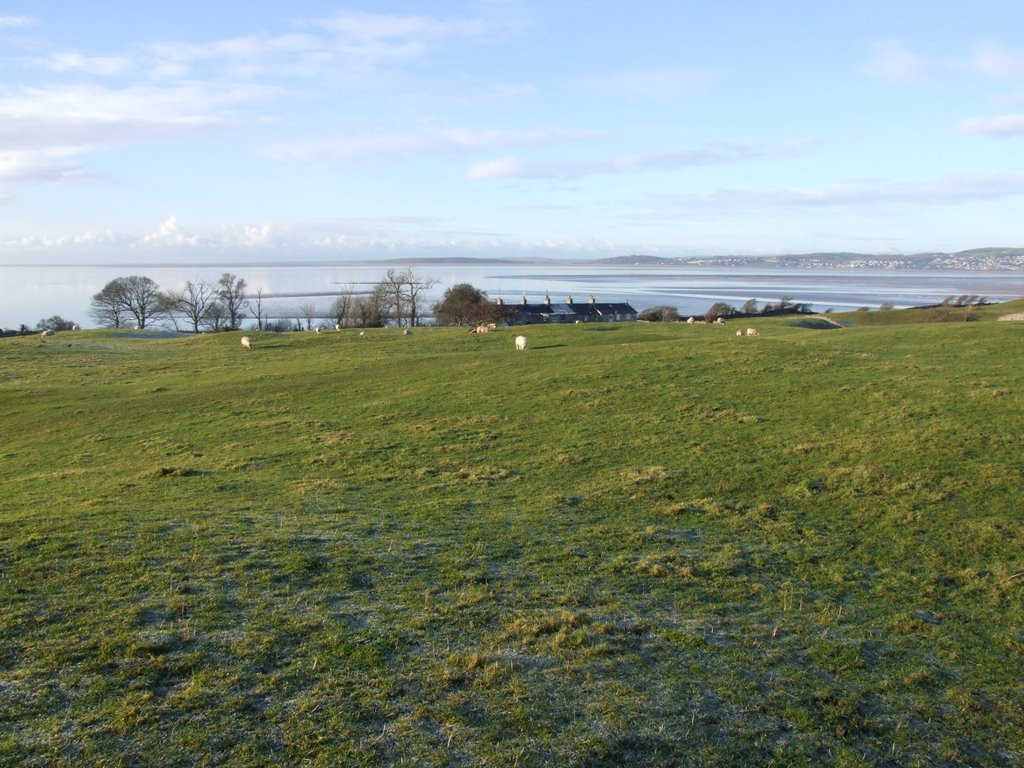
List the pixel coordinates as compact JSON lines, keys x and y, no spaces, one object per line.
{"x":717,"y":310}
{"x":660,"y":314}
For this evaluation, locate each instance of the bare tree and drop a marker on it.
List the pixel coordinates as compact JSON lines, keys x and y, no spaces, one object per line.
{"x":193,"y":302}
{"x":401,"y":291}
{"x":108,"y":307}
{"x":308,"y":312}
{"x":256,"y":308}
{"x":342,"y":307}
{"x":369,"y":310}
{"x":216,"y":316}
{"x":135,"y":296}
{"x":232,"y":294}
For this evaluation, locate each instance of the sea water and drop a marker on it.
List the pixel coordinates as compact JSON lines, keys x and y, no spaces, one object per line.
{"x":29,"y":293}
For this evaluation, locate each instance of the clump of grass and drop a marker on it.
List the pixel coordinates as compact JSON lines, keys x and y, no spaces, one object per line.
{"x":646,"y":475}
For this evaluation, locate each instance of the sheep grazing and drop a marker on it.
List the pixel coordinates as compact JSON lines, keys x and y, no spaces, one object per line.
{"x":318,"y":330}
{"x":406,"y":332}
{"x":47,"y":332}
{"x":362,"y":333}
{"x":719,"y":321}
{"x":690,"y":321}
{"x":337,"y":326}
{"x":739,"y":331}
{"x":520,"y":343}
{"x":752,"y":332}
{"x":246,"y":343}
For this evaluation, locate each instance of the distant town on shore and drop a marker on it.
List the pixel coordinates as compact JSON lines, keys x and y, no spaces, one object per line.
{"x":976,"y":259}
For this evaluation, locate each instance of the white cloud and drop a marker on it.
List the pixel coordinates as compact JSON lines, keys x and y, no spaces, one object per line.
{"x":169,"y":234}
{"x":1004,"y":126}
{"x":45,"y":131}
{"x":70,"y":61}
{"x":347,"y":43}
{"x":105,"y":237}
{"x":242,"y":57}
{"x":711,"y":154}
{"x":998,"y":63}
{"x":871,"y":197}
{"x":656,"y":84}
{"x":186,"y":104}
{"x":16,"y":21}
{"x":419,"y":140}
{"x":894,"y":61}
{"x":385,"y":36}
{"x":45,"y":166}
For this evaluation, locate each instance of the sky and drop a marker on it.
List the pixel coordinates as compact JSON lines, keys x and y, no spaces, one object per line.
{"x":141,"y":130}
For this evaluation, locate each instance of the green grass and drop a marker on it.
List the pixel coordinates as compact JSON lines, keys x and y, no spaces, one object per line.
{"x":633,"y":544}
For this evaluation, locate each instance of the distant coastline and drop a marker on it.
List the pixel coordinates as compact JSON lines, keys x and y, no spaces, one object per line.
{"x":973,"y":260}
{"x":690,"y":284}
{"x":976,"y":259}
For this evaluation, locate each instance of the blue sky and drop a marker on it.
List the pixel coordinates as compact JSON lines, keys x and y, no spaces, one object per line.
{"x":135,"y":130}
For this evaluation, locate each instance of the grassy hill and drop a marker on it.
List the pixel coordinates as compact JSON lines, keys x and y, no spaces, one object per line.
{"x":632,"y":544}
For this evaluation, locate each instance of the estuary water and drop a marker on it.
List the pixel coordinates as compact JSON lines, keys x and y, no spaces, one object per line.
{"x":29,"y":293}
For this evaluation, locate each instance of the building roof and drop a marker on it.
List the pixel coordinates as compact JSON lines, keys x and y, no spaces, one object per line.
{"x":574,"y":310}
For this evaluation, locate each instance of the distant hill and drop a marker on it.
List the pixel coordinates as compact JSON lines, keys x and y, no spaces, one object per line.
{"x":641,"y":260}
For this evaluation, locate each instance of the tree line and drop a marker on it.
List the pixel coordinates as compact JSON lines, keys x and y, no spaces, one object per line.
{"x":721,"y":309}
{"x":137,"y":301}
{"x":397,"y":299}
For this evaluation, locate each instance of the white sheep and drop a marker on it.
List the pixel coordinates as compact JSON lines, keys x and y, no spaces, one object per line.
{"x":406,"y":332}
{"x":318,"y":330}
{"x":246,"y":343}
{"x":752,"y":332}
{"x":739,"y":331}
{"x":719,"y":321}
{"x":520,"y":343}
{"x":337,"y":326}
{"x":362,"y":333}
{"x":47,"y":332}
{"x":690,"y":321}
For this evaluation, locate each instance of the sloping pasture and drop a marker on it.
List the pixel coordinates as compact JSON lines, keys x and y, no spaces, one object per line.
{"x":631,"y":544}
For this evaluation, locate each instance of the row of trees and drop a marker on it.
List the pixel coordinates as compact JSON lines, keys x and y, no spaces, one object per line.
{"x":138,"y":301}
{"x":785,"y":306}
{"x":397,"y":299}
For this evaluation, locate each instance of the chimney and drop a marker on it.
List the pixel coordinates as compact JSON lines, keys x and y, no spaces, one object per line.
{"x":501,"y":302}
{"x":592,"y":299}
{"x":524,"y":302}
{"x":547,"y":300}
{"x":569,"y":302}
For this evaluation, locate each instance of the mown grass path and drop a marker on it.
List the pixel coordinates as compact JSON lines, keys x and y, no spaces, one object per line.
{"x":631,"y":544}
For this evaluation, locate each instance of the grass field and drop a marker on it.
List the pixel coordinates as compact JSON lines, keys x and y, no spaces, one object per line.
{"x":639,"y":544}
